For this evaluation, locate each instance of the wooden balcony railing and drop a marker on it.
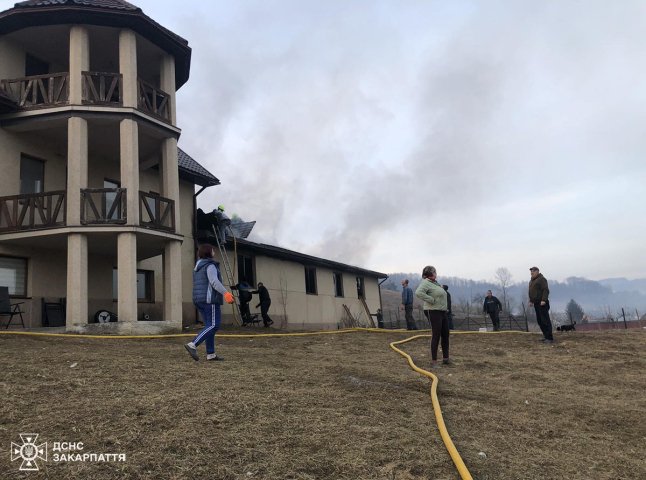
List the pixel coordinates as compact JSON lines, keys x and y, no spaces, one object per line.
{"x":152,"y":100}
{"x":156,"y":212}
{"x":100,"y":88}
{"x":39,"y":90}
{"x":32,"y":211}
{"x":103,"y":206}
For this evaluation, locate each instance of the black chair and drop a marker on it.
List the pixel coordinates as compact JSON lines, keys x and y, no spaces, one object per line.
{"x":53,"y":313}
{"x":8,"y":309}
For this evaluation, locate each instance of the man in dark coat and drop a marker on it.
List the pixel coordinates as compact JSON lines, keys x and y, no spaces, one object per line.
{"x":264,"y":303}
{"x":244,"y":294}
{"x":407,"y":303}
{"x":539,"y":297}
{"x":493,"y":307}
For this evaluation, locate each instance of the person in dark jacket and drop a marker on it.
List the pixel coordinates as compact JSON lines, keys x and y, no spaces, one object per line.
{"x":264,"y":302}
{"x":449,"y":312}
{"x":407,"y":303}
{"x":245,"y":296}
{"x":208,"y":293}
{"x":539,"y":297}
{"x":493,"y":307}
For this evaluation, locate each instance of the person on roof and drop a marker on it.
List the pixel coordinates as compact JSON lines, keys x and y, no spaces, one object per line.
{"x":223,"y":222}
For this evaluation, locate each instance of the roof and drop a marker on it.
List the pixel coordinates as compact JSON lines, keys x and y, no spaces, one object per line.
{"x":119,"y":4}
{"x":242,"y":229}
{"x":284,"y":254}
{"x":190,"y":170}
{"x":110,"y":13}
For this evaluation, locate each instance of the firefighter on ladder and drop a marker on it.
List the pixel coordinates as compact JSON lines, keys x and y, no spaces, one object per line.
{"x":223,"y":222}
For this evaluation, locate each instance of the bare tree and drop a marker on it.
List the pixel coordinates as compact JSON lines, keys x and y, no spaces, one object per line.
{"x":503,"y":275}
{"x":283,"y":298}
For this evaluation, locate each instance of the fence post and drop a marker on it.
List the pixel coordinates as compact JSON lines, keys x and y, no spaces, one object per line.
{"x":624,"y":314}
{"x":526,"y":319}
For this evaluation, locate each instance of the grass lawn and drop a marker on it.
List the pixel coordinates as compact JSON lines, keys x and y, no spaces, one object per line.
{"x":341,"y":406}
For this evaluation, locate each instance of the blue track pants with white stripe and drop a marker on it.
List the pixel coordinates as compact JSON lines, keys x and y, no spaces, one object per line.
{"x":212,"y":317}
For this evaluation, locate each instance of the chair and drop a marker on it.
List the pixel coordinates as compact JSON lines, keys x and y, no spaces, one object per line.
{"x":53,"y":312}
{"x":8,"y":309}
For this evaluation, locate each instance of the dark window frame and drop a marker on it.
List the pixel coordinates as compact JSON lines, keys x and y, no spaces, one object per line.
{"x":361,"y":287}
{"x":26,"y":260}
{"x":243,"y":261}
{"x":311,"y":287}
{"x":337,"y":277}
{"x":35,"y":159}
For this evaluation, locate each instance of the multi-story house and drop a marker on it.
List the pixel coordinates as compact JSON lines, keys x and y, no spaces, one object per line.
{"x":94,"y":205}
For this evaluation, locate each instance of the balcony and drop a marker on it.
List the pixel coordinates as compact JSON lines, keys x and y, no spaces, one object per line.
{"x":38,"y":91}
{"x":103,"y":206}
{"x":99,"y":88}
{"x":32,"y":211}
{"x":99,"y":206}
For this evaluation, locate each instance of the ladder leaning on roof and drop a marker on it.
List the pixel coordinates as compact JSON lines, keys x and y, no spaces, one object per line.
{"x":237,"y":314}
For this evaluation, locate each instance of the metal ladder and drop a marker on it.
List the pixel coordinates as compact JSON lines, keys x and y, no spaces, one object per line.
{"x":237,"y":314}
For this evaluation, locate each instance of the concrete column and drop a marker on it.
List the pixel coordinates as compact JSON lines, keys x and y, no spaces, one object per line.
{"x":128,"y":66}
{"x":172,"y":260}
{"x":79,"y":61}
{"x":167,"y":83}
{"x":77,"y":167}
{"x":129,"y":137}
{"x":76,"y":313}
{"x":127,"y":277}
{"x":170,"y":175}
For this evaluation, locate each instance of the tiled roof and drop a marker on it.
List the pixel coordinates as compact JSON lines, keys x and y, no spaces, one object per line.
{"x":242,"y":229}
{"x":109,"y":13}
{"x":118,"y":4}
{"x":193,"y":171}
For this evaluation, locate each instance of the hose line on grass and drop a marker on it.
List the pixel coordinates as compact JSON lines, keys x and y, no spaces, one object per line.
{"x":455,"y":456}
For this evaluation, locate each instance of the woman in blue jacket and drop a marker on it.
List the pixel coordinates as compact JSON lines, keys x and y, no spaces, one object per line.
{"x":208,"y":293}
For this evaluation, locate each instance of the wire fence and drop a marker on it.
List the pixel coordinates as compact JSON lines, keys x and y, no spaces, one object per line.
{"x":395,"y":319}
{"x":526,"y":321}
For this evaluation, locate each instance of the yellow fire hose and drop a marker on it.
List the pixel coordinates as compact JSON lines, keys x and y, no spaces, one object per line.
{"x":455,"y":456}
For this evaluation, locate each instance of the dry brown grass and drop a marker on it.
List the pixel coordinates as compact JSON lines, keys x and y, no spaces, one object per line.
{"x":330,"y":407}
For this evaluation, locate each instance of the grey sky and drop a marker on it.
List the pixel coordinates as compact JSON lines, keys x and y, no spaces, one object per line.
{"x":395,"y":134}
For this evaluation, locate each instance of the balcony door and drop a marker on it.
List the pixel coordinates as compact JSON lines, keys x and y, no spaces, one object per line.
{"x":32,"y":175}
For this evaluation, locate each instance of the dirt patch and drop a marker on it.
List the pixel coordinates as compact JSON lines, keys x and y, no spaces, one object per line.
{"x":330,"y":407}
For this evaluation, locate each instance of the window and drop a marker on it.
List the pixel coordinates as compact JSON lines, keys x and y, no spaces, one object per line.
{"x":35,"y":66}
{"x":338,"y":284}
{"x":245,"y":269}
{"x":310,"y":280}
{"x":145,"y":285}
{"x":32,"y":174}
{"x":152,"y":204}
{"x":110,"y":197}
{"x":13,"y":274}
{"x":361,"y":290}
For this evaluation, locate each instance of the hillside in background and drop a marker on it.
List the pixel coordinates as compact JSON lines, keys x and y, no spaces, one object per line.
{"x":598,"y":298}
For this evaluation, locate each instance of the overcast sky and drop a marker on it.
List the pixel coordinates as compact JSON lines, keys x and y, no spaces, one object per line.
{"x":469,"y":135}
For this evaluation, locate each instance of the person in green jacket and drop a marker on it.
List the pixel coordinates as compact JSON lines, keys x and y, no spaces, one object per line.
{"x":435,"y":308}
